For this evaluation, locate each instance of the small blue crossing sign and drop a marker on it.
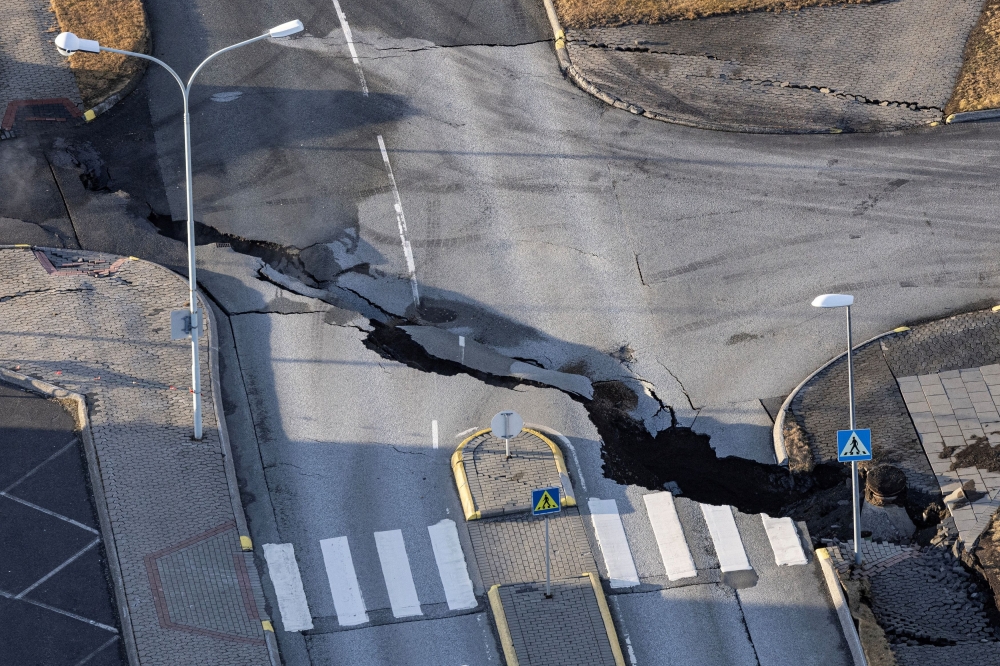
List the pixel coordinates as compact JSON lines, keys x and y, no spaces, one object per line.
{"x":545,"y":500}
{"x":854,"y":445}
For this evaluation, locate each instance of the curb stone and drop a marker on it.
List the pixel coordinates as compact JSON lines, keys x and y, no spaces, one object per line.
{"x":840,"y":604}
{"x":93,"y":470}
{"x":970,"y":116}
{"x":500,"y":617}
{"x":609,"y":624}
{"x":778,"y":430}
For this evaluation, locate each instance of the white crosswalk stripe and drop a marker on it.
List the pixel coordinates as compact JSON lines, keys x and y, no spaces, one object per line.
{"x":785,"y":542}
{"x":726,"y":537}
{"x":451,"y":565}
{"x":284,"y":572}
{"x":347,"y":599}
{"x":397,"y":574}
{"x":669,"y":536}
{"x":614,"y":545}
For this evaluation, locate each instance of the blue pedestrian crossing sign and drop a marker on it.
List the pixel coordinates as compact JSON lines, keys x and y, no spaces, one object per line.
{"x":854,"y":445}
{"x":545,"y":500}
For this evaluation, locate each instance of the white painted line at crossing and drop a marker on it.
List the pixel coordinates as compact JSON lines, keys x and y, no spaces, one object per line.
{"x":784,"y":538}
{"x":350,"y":46}
{"x":397,"y":574}
{"x":411,"y":267}
{"x":725,"y":537}
{"x":614,"y":545}
{"x":434,"y":433}
{"x":347,"y":599}
{"x":451,"y":565}
{"x":669,"y":535}
{"x":284,"y":573}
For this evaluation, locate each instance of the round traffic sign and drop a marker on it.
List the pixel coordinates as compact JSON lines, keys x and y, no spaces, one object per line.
{"x":507,"y":425}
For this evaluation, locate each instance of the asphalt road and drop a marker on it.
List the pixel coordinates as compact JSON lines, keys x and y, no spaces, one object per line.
{"x":550,"y":227}
{"x":55,"y":598}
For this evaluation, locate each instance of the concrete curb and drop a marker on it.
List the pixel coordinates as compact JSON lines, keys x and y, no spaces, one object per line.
{"x":569,"y":497}
{"x":462,"y":480}
{"x":227,"y":462}
{"x":970,"y":116}
{"x":843,"y":612}
{"x":609,"y":625}
{"x":100,"y":502}
{"x":500,"y":617}
{"x":777,"y":432}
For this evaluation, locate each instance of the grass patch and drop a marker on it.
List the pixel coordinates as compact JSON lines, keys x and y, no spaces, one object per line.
{"x":978,"y":85}
{"x":612,"y":13}
{"x":118,"y":24}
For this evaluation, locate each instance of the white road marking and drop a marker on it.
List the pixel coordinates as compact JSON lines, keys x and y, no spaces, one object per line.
{"x":40,"y":465}
{"x":347,"y":599}
{"x":226,"y":96}
{"x":51,"y":513}
{"x":614,"y":545}
{"x":451,"y":565}
{"x":466,"y":432}
{"x":350,"y":45}
{"x":57,"y":569}
{"x":725,"y":536}
{"x":397,"y":574}
{"x":401,"y":222}
{"x":92,"y":623}
{"x":784,"y":538}
{"x":284,"y":572}
{"x":434,"y":433}
{"x":94,"y":653}
{"x":669,"y":535}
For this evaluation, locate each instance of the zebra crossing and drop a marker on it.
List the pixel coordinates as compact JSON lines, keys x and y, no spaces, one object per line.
{"x":665,"y":524}
{"x":397,"y":575}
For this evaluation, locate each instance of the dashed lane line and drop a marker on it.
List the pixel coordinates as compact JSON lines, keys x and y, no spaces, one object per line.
{"x":726,"y":538}
{"x":669,"y":535}
{"x":411,"y":268}
{"x":397,"y":574}
{"x":350,"y":45}
{"x":614,"y":545}
{"x":344,"y":588}
{"x":451,"y":565}
{"x":785,"y":542}
{"x":287,"y":581}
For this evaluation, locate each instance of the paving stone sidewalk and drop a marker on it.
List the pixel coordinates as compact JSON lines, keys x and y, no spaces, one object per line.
{"x":510,"y":553}
{"x":869,"y":67}
{"x":30,"y":66}
{"x":99,"y":325}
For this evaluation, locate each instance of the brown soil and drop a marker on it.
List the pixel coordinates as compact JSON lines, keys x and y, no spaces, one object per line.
{"x":978,"y":85}
{"x":119,"y":24}
{"x":611,"y":13}
{"x":978,"y":454}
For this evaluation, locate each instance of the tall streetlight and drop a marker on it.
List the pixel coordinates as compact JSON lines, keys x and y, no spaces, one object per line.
{"x":846,"y":301}
{"x":67,"y":44}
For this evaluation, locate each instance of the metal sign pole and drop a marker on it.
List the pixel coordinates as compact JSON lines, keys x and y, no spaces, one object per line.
{"x":854,"y":463}
{"x":548,"y":579}
{"x":506,"y":430}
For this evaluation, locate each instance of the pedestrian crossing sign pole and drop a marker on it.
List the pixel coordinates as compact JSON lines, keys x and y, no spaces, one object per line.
{"x":543,"y":502}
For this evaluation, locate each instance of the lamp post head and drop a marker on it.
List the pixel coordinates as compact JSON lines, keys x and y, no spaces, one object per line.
{"x":67,"y":44}
{"x":286,"y":29}
{"x":833,"y":301}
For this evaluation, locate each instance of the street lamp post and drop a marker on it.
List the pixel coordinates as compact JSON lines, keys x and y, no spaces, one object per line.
{"x":67,"y":44}
{"x":846,"y":301}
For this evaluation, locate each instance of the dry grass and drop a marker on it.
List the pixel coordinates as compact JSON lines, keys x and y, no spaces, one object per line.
{"x":800,"y":458}
{"x":119,"y":24}
{"x":978,"y":85}
{"x":610,"y":13}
